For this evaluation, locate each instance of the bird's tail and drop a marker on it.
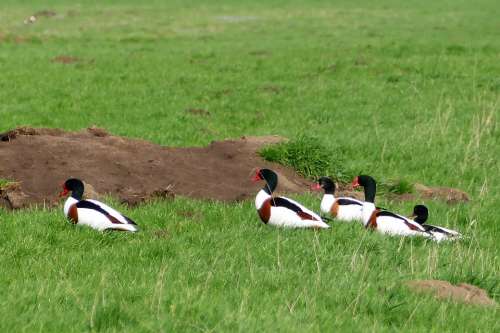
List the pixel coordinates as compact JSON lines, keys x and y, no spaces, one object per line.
{"x":124,"y":227}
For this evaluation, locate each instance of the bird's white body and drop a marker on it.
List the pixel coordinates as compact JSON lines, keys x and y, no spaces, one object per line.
{"x":391,"y":225}
{"x":346,"y":213}
{"x":284,"y":217}
{"x":96,"y":219}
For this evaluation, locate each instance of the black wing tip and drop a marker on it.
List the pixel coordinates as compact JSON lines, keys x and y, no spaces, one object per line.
{"x":129,"y":220}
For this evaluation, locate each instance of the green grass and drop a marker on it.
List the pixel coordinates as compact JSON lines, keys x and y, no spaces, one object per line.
{"x":405,"y":90}
{"x":309,"y":158}
{"x":398,"y":186}
{"x":4,"y":183}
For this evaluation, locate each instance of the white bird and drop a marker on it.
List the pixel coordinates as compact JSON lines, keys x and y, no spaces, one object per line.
{"x":384,"y":221}
{"x":92,"y":213}
{"x":420,"y":215}
{"x":342,"y":208}
{"x":281,"y":211}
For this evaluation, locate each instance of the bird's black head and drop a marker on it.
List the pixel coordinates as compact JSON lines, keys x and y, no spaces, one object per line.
{"x":269,"y":176}
{"x":420,"y":213}
{"x":75,"y":186}
{"x":326,"y":184}
{"x":369,"y":184}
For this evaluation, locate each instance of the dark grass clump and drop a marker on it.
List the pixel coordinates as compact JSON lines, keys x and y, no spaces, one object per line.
{"x":309,"y":158}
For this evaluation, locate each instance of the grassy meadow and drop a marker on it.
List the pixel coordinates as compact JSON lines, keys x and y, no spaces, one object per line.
{"x":403,"y":89}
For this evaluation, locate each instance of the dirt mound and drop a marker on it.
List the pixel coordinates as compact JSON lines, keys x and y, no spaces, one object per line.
{"x":39,"y":160}
{"x":463,"y":292}
{"x":450,"y":195}
{"x":64,"y":59}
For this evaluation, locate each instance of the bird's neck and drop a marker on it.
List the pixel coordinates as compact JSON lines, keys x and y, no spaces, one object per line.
{"x":69,"y":202}
{"x":261,"y":197}
{"x":419,"y":219}
{"x":270,"y":185}
{"x":327,"y":202}
{"x":77,"y":194}
{"x":330,"y":189}
{"x":368,"y":209}
{"x":370,"y":190}
{"x":77,"y":191}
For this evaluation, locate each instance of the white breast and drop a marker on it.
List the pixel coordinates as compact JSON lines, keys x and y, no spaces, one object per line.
{"x":260,"y":198}
{"x":326,"y":203}
{"x":368,"y":209}
{"x":69,"y":202}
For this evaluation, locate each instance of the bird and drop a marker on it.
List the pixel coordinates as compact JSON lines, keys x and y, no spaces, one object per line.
{"x":282,"y":211}
{"x":382,"y":220}
{"x":421,"y":214}
{"x":92,"y":213}
{"x":342,"y":208}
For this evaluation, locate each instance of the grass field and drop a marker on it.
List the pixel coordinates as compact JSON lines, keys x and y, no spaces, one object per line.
{"x":407,"y":89}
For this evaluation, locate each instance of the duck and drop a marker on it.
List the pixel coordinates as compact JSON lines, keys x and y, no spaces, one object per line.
{"x":282,"y":211}
{"x":382,"y":220}
{"x":92,"y":213}
{"x":342,"y":208}
{"x":421,"y":214}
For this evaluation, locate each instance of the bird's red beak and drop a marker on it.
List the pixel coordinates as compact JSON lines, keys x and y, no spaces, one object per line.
{"x":355,"y":182}
{"x":316,"y":187}
{"x":257,"y":176}
{"x":64,"y":192}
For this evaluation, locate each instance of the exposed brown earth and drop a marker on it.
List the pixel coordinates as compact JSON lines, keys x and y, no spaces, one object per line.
{"x":64,"y":59}
{"x":198,"y":112}
{"x":45,"y":13}
{"x":40,"y":160}
{"x":463,"y":292}
{"x":422,"y":192}
{"x":450,"y":195}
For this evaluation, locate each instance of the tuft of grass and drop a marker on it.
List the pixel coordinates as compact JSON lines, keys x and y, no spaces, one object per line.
{"x":4,"y":183}
{"x":399,"y":186}
{"x":309,"y":158}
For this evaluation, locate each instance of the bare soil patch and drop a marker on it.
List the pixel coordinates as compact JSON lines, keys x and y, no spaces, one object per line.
{"x":39,"y":160}
{"x":463,"y":292}
{"x":45,"y":13}
{"x":272,"y":89}
{"x":236,"y":18}
{"x":198,"y":112}
{"x":260,"y":53}
{"x":422,"y":192}
{"x":64,"y":59}
{"x":450,"y":195}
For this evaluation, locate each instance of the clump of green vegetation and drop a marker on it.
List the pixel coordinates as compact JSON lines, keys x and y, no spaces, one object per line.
{"x":309,"y":158}
{"x":399,"y":186}
{"x":4,"y":183}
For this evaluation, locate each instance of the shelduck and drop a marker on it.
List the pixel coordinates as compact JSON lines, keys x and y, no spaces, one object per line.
{"x":281,"y":211}
{"x":92,"y":213}
{"x":343,"y":209}
{"x":382,"y":220}
{"x":420,"y":215}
